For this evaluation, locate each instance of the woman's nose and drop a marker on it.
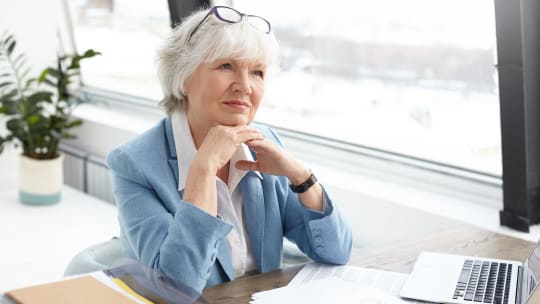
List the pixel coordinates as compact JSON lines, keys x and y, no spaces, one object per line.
{"x":242,"y":83}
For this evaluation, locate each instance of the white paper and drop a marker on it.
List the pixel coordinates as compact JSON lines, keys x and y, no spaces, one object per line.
{"x":317,"y":283}
{"x":327,"y":290}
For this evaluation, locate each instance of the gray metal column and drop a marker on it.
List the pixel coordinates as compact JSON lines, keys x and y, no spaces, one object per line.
{"x":518,"y":51}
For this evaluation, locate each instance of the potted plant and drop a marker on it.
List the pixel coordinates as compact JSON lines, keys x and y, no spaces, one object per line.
{"x":38,"y":114}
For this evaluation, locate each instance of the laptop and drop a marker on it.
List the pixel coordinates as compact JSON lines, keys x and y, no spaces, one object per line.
{"x":445,"y":278}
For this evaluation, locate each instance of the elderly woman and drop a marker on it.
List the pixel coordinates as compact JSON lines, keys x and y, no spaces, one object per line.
{"x":206,"y":195}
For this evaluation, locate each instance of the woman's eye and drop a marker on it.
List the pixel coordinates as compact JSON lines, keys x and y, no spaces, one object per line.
{"x":259,"y":73}
{"x":225,"y":66}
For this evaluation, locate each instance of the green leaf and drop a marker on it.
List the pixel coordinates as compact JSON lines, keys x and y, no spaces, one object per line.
{"x":47,"y":81}
{"x":11,"y":47}
{"x":9,"y":107}
{"x":67,"y":135}
{"x":42,"y":76}
{"x":90,"y":53}
{"x":75,"y":60}
{"x":3,"y":84}
{"x":40,"y":96}
{"x":16,"y":125}
{"x":8,"y":39}
{"x":40,"y":125}
{"x":9,"y":95}
{"x":29,"y":82}
{"x":54,"y":72}
{"x":74,"y":123}
{"x":33,"y":119}
{"x":74,"y":64}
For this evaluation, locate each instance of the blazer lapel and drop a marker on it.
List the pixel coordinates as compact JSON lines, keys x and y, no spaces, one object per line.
{"x":173,"y":161}
{"x":253,"y":204}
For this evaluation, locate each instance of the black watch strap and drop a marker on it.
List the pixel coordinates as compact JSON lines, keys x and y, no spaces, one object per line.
{"x":303,"y":187}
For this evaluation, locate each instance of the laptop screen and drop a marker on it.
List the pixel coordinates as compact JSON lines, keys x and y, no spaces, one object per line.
{"x":531,"y":272}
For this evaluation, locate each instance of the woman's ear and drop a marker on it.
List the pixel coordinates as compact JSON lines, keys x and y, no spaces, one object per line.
{"x":185,"y":87}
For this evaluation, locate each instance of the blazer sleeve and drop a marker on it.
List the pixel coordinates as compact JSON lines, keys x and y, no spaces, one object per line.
{"x":183,"y":245}
{"x":324,"y":236}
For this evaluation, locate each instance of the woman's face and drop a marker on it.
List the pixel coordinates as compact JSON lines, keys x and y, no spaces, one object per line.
{"x":224,"y":92}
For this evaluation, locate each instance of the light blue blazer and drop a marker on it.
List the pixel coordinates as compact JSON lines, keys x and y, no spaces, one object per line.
{"x":189,"y":245}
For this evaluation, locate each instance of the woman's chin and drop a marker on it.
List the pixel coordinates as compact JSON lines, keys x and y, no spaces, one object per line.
{"x":236,"y":121}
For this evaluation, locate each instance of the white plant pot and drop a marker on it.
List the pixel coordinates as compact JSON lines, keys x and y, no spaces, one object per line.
{"x":40,"y":181}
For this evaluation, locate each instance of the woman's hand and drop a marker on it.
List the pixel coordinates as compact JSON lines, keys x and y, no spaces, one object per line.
{"x":271,"y":159}
{"x":220,"y":144}
{"x":215,"y":152}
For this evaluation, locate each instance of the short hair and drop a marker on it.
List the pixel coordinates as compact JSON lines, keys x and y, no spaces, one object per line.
{"x":178,"y":58}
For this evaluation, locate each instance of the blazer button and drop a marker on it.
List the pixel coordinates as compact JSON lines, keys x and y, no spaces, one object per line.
{"x":318,"y":239}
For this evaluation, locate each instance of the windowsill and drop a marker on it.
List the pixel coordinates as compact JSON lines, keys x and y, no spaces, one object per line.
{"x":431,"y":202}
{"x":131,"y":120}
{"x":482,"y":211}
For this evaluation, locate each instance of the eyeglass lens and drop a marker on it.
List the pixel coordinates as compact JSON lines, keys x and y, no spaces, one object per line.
{"x":259,"y":23}
{"x":228,"y":14}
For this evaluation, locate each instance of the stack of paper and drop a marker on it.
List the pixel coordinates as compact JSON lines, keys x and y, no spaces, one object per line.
{"x":329,"y":290}
{"x":317,"y":283}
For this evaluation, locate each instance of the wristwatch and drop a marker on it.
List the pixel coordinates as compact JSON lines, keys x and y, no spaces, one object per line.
{"x":303,"y":187}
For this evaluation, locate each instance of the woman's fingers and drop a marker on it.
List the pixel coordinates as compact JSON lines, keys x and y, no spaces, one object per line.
{"x":238,"y":134}
{"x":247,"y":165}
{"x":221,"y":142}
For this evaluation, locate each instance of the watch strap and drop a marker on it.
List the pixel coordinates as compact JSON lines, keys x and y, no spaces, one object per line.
{"x":303,"y":187}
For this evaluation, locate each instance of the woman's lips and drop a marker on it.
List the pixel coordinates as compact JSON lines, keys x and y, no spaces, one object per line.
{"x":236,"y":104}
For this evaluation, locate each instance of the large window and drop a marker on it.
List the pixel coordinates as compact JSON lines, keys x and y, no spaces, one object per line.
{"x":128,"y":34}
{"x":413,"y":77}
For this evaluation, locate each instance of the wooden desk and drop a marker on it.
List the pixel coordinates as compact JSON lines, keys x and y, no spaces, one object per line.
{"x":398,"y":256}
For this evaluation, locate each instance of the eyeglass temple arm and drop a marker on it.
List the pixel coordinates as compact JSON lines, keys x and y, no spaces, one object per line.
{"x":198,"y":25}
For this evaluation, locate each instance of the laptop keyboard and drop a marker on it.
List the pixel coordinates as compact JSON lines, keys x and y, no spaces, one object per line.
{"x":484,"y":282}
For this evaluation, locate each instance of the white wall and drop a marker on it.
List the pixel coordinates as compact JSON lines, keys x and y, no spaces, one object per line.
{"x":34,"y":23}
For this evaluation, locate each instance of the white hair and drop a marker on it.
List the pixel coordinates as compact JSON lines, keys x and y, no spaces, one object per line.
{"x":178,"y":58}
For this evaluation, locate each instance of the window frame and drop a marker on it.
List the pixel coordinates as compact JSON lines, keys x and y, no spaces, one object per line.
{"x":517,"y":44}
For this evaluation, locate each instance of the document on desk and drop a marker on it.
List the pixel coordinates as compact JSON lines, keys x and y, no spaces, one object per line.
{"x":317,"y":283}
